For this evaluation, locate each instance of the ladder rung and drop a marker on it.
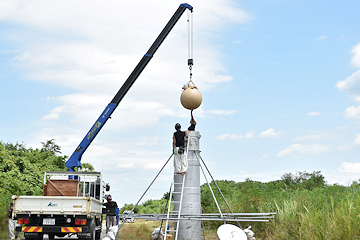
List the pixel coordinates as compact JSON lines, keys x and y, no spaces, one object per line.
{"x":174,"y":201}
{"x":177,"y":183}
{"x":176,"y":192}
{"x":168,"y":230}
{"x":174,"y":211}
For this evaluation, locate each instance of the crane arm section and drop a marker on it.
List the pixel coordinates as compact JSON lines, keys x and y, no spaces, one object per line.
{"x":75,"y":158}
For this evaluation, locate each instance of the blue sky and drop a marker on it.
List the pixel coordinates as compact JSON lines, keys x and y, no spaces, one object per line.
{"x":279,"y":79}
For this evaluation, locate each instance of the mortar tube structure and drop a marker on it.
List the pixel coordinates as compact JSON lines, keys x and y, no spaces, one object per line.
{"x":191,"y":199}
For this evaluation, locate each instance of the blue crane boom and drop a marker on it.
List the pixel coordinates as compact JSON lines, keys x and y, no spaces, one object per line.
{"x":75,"y":158}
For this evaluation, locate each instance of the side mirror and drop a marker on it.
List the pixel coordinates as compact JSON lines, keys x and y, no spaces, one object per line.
{"x":107,"y":187}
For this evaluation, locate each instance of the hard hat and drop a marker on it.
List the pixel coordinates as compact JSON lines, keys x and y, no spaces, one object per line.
{"x":177,"y":126}
{"x":108,"y":196}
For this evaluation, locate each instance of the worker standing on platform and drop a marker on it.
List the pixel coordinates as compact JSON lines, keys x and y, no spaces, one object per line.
{"x":111,"y":207}
{"x":180,"y":160}
{"x":192,"y":123}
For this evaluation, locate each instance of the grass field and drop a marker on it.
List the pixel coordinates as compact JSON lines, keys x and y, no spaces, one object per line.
{"x":142,"y":229}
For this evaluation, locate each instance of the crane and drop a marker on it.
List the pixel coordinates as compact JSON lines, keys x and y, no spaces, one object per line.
{"x":75,"y":159}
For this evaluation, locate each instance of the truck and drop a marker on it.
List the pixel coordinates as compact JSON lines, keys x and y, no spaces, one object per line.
{"x":71,"y":205}
{"x":72,"y":201}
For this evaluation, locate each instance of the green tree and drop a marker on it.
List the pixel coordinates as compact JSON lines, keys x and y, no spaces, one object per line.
{"x":87,"y":167}
{"x":50,"y":146}
{"x":22,"y":170}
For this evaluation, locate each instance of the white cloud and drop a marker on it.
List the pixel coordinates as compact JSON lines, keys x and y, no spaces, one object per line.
{"x":307,"y":137}
{"x":247,"y":135}
{"x":85,"y":108}
{"x":125,"y":165}
{"x":94,"y":53}
{"x":265,"y":155}
{"x":341,"y":127}
{"x":304,"y":150}
{"x":350,"y":84}
{"x":349,"y":167}
{"x":352,"y":112}
{"x":356,"y":59}
{"x":84,"y":54}
{"x":238,"y":42}
{"x":357,"y":139}
{"x":348,"y":147}
{"x":345,"y":147}
{"x":314,"y":114}
{"x":270,"y":133}
{"x":50,"y":116}
{"x":321,"y":37}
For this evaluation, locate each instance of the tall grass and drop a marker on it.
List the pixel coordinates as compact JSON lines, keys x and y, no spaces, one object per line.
{"x":321,"y":213}
{"x":325,"y":213}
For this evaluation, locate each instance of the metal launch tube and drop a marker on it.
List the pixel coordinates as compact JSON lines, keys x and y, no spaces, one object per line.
{"x":191,"y":200}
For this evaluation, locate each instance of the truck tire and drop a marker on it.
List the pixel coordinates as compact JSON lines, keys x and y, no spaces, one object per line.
{"x":98,"y":234}
{"x":93,"y":229}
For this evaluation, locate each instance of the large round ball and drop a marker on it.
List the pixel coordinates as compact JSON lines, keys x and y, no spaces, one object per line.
{"x":191,"y":98}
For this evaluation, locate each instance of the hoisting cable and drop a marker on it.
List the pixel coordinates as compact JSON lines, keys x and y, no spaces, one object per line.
{"x":190,"y":49}
{"x":190,"y":43}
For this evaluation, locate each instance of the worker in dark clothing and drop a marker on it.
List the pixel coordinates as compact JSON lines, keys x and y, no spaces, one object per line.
{"x":180,"y":160}
{"x":111,"y":212}
{"x":192,"y":123}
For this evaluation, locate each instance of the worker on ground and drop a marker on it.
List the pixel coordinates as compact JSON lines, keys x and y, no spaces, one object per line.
{"x":12,"y":222}
{"x":111,"y":207}
{"x":180,"y":160}
{"x":192,"y":123}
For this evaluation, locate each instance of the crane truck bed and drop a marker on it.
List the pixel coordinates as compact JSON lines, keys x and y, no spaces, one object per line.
{"x":57,"y":204}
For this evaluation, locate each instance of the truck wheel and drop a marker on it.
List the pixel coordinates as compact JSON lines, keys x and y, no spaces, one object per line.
{"x":98,"y":234}
{"x":92,"y":229}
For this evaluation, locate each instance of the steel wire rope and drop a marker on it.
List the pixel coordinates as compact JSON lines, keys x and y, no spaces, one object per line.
{"x":212,"y":193}
{"x":218,"y":188}
{"x":147,"y":189}
{"x":190,"y":44}
{"x":190,"y":35}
